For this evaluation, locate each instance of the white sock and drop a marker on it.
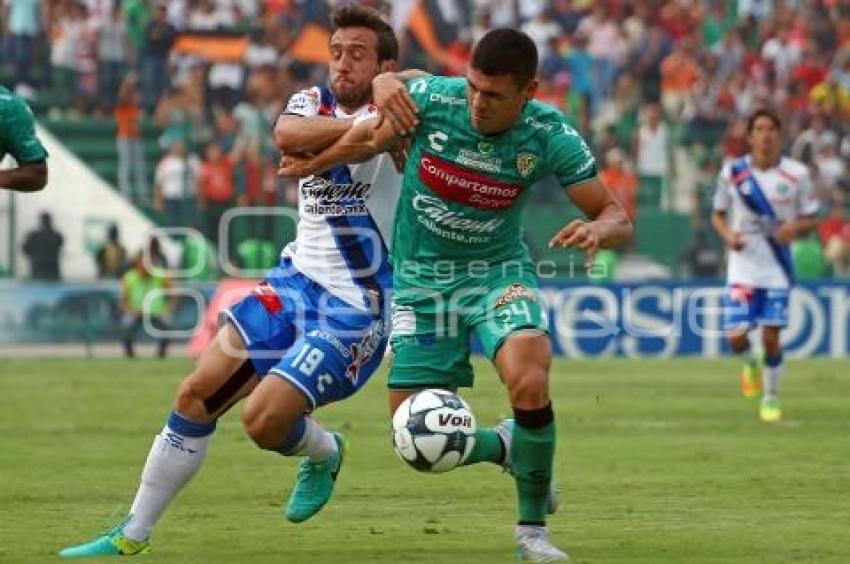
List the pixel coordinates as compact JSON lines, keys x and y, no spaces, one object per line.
{"x":317,"y":444}
{"x":171,"y":463}
{"x":772,"y":376}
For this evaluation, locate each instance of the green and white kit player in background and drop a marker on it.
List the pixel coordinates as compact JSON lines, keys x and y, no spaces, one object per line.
{"x":477,"y":145}
{"x":17,"y":138}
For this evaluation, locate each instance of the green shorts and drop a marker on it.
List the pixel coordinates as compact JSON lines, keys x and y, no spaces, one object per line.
{"x":431,"y":335}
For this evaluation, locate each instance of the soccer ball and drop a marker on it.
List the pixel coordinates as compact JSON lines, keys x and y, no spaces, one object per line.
{"x":434,"y":430}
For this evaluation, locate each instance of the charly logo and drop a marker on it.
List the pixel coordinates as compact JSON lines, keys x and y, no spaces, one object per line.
{"x":525,"y":163}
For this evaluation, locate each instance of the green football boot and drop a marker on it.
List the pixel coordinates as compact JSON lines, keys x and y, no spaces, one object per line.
{"x":315,"y":484}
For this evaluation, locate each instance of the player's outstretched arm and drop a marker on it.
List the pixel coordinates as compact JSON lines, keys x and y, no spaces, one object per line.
{"x":363,"y":141}
{"x":294,"y":134}
{"x":30,"y":177}
{"x":609,"y":225}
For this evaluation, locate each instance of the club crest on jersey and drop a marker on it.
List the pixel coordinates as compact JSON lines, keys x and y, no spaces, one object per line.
{"x":485,"y":148}
{"x":514,"y":292}
{"x":783,"y":189}
{"x":525,"y":163}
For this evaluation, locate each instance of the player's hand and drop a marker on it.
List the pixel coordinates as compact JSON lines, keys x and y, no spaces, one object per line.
{"x":295,"y":166}
{"x":393,"y":100}
{"x":581,"y":235}
{"x":399,"y":154}
{"x":786,"y":233}
{"x":736,"y":242}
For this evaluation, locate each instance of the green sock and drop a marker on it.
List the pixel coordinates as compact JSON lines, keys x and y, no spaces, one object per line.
{"x":488,"y":448}
{"x":532,"y":454}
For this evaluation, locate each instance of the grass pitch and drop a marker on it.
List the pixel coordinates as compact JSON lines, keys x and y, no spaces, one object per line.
{"x":659,"y":462}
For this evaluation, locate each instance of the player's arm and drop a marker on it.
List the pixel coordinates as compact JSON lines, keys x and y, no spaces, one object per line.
{"x":19,"y":128}
{"x":294,"y":134}
{"x":721,"y":226}
{"x":29,"y":177}
{"x":609,"y":225}
{"x":363,"y":141}
{"x":722,"y":202}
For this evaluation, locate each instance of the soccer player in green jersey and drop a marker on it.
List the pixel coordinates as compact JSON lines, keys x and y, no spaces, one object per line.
{"x":477,"y":145}
{"x":17,"y":138}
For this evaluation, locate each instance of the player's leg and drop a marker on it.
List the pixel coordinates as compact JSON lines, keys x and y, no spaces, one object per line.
{"x":740,"y":304}
{"x":773,"y":317}
{"x":222,"y":376}
{"x":523,"y":362}
{"x":513,"y":329}
{"x":331,"y":361}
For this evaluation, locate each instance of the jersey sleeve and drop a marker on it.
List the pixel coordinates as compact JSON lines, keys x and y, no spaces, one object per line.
{"x":722,"y":194}
{"x":305,"y":103}
{"x":570,"y":159}
{"x":18,"y":129}
{"x":808,"y":202}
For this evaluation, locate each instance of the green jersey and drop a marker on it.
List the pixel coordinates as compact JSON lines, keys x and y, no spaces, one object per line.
{"x":464,"y":192}
{"x":17,"y":130}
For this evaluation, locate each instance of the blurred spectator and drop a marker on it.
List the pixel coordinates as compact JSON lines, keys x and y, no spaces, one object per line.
{"x":112,"y":57}
{"x":132,"y":173}
{"x":782,"y":54}
{"x":829,"y":164}
{"x":541,"y":29}
{"x":158,"y":39}
{"x":652,"y":147}
{"x":731,"y":54}
{"x":834,"y":232}
{"x":620,"y":180}
{"x":216,"y":190}
{"x":679,"y":73}
{"x":811,"y":70}
{"x":177,"y":185}
{"x":581,"y":68}
{"x":23,"y":23}
{"x":651,"y":51}
{"x":67,"y":37}
{"x":605,"y":46}
{"x":42,"y":247}
{"x":137,"y":15}
{"x":565,"y":14}
{"x":261,"y":51}
{"x":111,"y":258}
{"x":143,"y":298}
{"x":735,"y":142}
{"x":831,"y":95}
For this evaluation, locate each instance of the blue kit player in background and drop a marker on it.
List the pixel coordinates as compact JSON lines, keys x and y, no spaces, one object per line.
{"x":771,"y":201}
{"x":315,"y":329}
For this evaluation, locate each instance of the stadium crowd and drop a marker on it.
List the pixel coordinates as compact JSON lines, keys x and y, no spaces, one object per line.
{"x":662,"y":88}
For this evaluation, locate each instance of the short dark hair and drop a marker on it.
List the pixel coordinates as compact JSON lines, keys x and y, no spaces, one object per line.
{"x":352,"y":15}
{"x":763,"y":113}
{"x":506,"y":51}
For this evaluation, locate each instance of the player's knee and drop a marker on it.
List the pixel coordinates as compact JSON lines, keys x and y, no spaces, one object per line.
{"x":530,"y":389}
{"x":259,"y":426}
{"x":738,"y":342}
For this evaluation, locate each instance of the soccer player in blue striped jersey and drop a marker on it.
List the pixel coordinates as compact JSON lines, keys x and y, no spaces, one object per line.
{"x":315,"y":329}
